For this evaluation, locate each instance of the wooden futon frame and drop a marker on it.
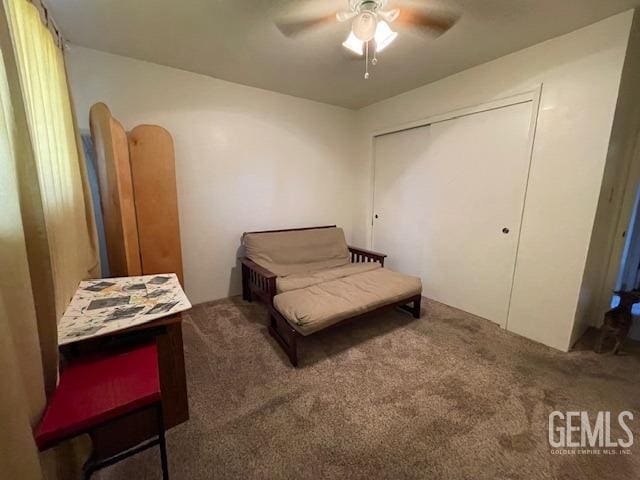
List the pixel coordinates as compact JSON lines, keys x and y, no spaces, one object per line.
{"x":258,"y":282}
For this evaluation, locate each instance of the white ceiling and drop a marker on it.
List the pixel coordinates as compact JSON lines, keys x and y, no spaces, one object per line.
{"x":236,"y":40}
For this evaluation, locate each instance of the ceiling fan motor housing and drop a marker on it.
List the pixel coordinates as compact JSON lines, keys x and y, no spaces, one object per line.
{"x":366,"y":5}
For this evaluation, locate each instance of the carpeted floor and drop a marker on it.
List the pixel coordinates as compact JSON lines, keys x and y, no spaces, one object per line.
{"x":449,"y":396}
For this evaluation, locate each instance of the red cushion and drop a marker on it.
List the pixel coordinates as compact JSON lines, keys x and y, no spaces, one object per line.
{"x":97,"y":389}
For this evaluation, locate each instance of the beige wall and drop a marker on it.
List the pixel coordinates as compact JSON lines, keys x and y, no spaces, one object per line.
{"x":246,"y":158}
{"x":252,"y":159}
{"x":580,"y":74}
{"x":617,"y":194}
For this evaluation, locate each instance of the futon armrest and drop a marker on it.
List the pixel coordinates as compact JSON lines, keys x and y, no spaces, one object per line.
{"x":362,"y":255}
{"x":257,"y":280}
{"x":263,"y":272}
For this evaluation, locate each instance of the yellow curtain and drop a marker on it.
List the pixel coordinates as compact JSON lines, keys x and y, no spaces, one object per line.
{"x":23,"y":397}
{"x":60,"y":166}
{"x":47,"y":233}
{"x":66,"y":209}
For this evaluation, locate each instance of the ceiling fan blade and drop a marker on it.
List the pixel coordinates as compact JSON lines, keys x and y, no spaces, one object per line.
{"x":389,"y":15}
{"x":292,"y":27}
{"x":343,"y":16}
{"x":432,"y":22}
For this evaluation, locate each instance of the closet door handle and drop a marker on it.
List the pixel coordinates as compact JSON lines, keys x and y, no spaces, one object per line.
{"x":505,"y":230}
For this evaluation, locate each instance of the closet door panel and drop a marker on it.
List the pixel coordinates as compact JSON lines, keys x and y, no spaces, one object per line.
{"x":449,"y":199}
{"x":399,"y":198}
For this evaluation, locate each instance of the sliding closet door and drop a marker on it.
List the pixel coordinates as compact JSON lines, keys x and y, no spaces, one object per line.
{"x":448,"y":200}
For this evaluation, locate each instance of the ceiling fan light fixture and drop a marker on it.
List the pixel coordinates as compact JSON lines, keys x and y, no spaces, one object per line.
{"x":384,"y":35}
{"x":364,"y":26}
{"x":352,"y":43}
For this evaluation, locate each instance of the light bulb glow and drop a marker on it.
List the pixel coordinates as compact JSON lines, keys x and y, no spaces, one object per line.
{"x":384,"y":35}
{"x":364,"y":26}
{"x":353,"y":44}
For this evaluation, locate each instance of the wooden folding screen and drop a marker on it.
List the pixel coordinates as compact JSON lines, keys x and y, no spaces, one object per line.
{"x":153,"y":173}
{"x":136,"y":176}
{"x":116,"y":192}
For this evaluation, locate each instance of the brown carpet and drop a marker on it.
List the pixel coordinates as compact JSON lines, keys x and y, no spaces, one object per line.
{"x":449,"y":396}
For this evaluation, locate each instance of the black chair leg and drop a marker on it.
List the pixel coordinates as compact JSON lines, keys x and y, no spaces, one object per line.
{"x":88,"y":468}
{"x":86,"y":474}
{"x":162,"y":443}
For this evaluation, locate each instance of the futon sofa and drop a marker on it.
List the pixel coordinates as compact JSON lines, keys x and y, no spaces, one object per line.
{"x":310,"y":279}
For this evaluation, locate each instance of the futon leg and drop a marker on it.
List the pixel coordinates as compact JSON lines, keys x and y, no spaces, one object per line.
{"x":416,"y":306}
{"x":162,"y":443}
{"x":246,"y":289}
{"x":293,"y":352}
{"x":287,"y":339}
{"x":414,"y":309}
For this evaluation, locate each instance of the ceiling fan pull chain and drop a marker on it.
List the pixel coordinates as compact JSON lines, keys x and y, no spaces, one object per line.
{"x":366,"y":61}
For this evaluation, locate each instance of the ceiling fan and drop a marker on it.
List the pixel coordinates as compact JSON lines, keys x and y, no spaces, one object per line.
{"x":370,"y":30}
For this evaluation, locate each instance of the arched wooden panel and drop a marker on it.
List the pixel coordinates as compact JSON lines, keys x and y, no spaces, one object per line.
{"x":154,"y":183}
{"x":116,"y":192}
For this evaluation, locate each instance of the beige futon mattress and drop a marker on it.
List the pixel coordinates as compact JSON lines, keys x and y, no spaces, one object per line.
{"x":318,"y":306}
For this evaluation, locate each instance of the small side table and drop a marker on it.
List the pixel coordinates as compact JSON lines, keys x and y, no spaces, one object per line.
{"x":99,"y":389}
{"x":166,"y":332}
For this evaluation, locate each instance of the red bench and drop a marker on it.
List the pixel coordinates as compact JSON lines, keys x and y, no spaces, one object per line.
{"x":100,"y":389}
